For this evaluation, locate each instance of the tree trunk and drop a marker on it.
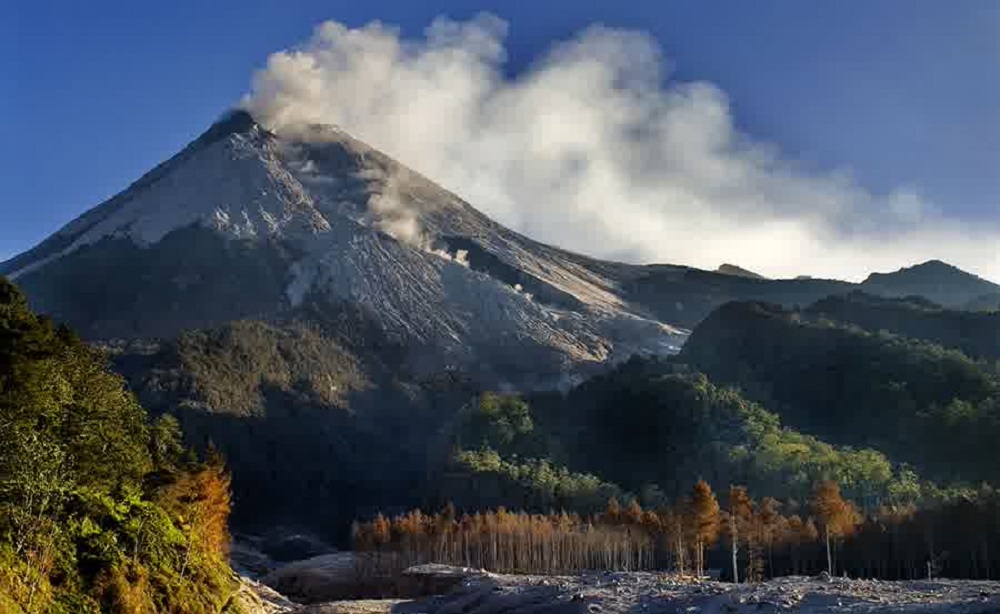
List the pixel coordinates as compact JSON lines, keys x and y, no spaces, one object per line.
{"x":829,"y":554}
{"x":736,"y":573}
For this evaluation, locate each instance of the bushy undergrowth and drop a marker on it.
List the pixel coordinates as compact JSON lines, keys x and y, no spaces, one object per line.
{"x":100,"y":509}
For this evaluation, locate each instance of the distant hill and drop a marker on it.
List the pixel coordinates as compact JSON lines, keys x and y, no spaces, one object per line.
{"x":974,"y":333}
{"x":938,"y":281}
{"x":685,"y":296}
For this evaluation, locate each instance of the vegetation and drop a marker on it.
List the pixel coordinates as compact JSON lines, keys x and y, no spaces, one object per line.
{"x":482,"y":478}
{"x":975,"y":333}
{"x":920,"y":403}
{"x":100,"y":510}
{"x":649,"y":423}
{"x":233,"y":369}
{"x":311,"y":432}
{"x":956,"y":537}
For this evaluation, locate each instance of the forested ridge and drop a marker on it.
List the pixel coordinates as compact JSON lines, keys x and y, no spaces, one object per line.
{"x":974,"y":333}
{"x":101,"y":509}
{"x":644,"y":428}
{"x":919,"y":402}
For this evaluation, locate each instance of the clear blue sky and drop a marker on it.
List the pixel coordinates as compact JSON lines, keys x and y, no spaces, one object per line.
{"x":903,"y":92}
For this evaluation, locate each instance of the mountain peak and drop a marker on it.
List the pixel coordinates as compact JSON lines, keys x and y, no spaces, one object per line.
{"x":923,"y":270}
{"x":936,"y":280}
{"x":233,"y":121}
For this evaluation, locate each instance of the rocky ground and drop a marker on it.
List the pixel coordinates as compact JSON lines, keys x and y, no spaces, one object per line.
{"x":654,"y":593}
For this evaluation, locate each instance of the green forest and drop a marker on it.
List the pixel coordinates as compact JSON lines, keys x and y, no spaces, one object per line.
{"x":919,"y":402}
{"x":101,"y":508}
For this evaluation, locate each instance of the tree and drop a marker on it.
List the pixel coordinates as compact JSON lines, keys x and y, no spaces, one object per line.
{"x":99,"y":510}
{"x":836,"y":516}
{"x":738,"y":516}
{"x":769,"y":520}
{"x":703,"y":521}
{"x":498,"y":420}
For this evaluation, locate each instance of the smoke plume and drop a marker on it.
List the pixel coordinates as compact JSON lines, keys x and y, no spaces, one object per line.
{"x":595,"y":149}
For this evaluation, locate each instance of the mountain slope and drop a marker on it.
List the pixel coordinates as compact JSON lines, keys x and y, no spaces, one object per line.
{"x":977,"y":334}
{"x":918,"y":402}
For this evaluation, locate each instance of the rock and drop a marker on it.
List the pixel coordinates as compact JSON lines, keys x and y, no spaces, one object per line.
{"x":248,"y":560}
{"x":341,"y":575}
{"x":823,"y":577}
{"x":432,"y":579}
{"x":255,"y":598}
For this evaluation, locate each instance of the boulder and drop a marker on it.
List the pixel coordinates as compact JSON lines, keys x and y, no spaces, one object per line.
{"x":433,"y":579}
{"x":328,"y":577}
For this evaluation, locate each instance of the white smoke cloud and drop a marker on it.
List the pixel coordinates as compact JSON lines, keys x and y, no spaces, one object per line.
{"x":394,"y":218}
{"x":595,"y":150}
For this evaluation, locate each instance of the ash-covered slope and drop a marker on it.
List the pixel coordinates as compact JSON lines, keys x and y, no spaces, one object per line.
{"x":246,"y":224}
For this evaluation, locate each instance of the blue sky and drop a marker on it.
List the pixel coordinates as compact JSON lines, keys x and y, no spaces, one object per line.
{"x":901,"y":92}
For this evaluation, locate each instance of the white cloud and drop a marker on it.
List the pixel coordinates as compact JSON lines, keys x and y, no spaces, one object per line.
{"x":594,"y":149}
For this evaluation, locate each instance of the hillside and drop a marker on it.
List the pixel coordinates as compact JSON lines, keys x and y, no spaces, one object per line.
{"x":687,"y":296}
{"x":932,"y":407}
{"x":305,"y":453}
{"x":648,"y":426}
{"x":977,"y":334}
{"x":101,"y":509}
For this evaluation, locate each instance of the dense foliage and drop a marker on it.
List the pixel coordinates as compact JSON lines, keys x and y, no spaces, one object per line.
{"x":99,"y":509}
{"x":975,"y":333}
{"x":648,"y":425}
{"x":920,"y":403}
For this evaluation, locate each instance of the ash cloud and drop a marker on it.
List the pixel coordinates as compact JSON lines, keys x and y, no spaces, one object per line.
{"x":595,"y":149}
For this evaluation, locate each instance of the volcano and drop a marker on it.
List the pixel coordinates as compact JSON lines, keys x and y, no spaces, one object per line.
{"x":246,"y":224}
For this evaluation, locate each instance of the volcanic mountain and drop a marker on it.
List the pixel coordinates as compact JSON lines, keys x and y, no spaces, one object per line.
{"x":244,"y":224}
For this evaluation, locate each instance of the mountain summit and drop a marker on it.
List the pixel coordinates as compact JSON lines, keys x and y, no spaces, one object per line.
{"x":938,"y":281}
{"x":244,"y":223}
